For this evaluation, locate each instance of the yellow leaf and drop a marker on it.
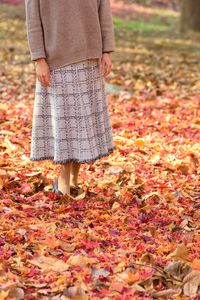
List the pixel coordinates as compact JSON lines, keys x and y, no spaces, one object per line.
{"x":133,"y":178}
{"x":105,"y":216}
{"x":140,"y":142}
{"x":180,"y":253}
{"x":10,"y":147}
{"x":4,"y":294}
{"x":154,"y":159}
{"x":1,"y":183}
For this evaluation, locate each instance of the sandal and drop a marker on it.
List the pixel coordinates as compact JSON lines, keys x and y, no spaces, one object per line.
{"x":77,"y":191}
{"x":55,"y":188}
{"x":80,"y":194}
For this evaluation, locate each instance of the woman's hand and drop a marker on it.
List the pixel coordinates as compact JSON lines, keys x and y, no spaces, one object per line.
{"x":106,"y":64}
{"x":42,"y":71}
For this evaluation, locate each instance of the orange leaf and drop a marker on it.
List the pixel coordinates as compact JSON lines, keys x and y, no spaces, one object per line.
{"x":132,"y":277}
{"x":51,"y":242}
{"x":195,"y":265}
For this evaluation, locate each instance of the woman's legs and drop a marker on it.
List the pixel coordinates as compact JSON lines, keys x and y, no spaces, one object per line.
{"x":64,"y":178}
{"x":74,"y":173}
{"x":68,"y":176}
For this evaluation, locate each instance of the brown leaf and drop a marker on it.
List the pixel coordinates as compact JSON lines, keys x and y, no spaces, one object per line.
{"x":17,"y":293}
{"x":115,"y":206}
{"x":67,"y":247}
{"x":183,"y":168}
{"x":191,"y":282}
{"x":178,"y":269}
{"x":75,"y":293}
{"x":166,"y":293}
{"x":115,"y":170}
{"x":80,"y":260}
{"x":194,"y":160}
{"x":148,"y":258}
{"x":49,"y":263}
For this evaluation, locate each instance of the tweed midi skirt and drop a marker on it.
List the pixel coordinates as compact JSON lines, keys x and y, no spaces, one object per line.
{"x":70,"y":116}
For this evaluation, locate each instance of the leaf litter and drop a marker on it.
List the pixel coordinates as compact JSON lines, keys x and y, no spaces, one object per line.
{"x":135,"y":235}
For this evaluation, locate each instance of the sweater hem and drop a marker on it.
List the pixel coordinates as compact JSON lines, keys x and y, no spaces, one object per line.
{"x":64,"y":161}
{"x":54,"y":66}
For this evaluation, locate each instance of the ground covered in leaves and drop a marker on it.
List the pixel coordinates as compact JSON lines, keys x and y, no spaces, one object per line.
{"x":136,"y":233}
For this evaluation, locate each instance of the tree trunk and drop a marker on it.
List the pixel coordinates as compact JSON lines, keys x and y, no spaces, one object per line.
{"x":190,"y":15}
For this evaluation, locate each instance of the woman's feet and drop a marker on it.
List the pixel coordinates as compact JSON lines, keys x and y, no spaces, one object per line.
{"x":56,"y":188}
{"x":75,"y":189}
{"x":75,"y":168}
{"x":63,"y":185}
{"x":73,"y":183}
{"x":76,"y":192}
{"x":67,"y":182}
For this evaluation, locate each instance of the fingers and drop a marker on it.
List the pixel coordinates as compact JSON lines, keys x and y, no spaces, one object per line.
{"x":106,"y":67}
{"x":43,"y":73}
{"x":44,"y":79}
{"x":103,"y":67}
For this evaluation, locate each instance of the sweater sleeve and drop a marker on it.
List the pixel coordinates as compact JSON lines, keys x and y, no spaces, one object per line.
{"x":107,"y":28}
{"x":34,"y":29}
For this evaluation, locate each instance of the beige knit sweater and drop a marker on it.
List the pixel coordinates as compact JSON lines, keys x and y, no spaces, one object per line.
{"x":68,"y":31}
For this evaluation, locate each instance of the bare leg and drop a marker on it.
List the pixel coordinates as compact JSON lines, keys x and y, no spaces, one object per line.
{"x":64,"y":178}
{"x":74,"y":173}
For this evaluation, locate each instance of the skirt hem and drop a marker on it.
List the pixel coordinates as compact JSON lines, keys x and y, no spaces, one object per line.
{"x":64,"y":161}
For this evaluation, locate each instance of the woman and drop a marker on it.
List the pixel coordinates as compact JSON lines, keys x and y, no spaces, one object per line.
{"x":71,"y":43}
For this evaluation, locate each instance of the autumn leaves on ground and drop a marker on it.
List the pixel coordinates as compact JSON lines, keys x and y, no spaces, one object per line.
{"x":136,"y":233}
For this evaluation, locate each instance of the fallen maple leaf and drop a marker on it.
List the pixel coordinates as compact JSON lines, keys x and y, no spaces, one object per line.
{"x":180,"y":253}
{"x":195,"y":264}
{"x":166,"y":293}
{"x":191,"y":283}
{"x":115,"y":206}
{"x":140,"y":142}
{"x":75,"y":293}
{"x":128,"y":276}
{"x":81,"y":260}
{"x":49,"y":263}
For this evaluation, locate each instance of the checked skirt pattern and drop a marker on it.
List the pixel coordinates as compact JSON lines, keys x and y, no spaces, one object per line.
{"x":70,"y":117}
